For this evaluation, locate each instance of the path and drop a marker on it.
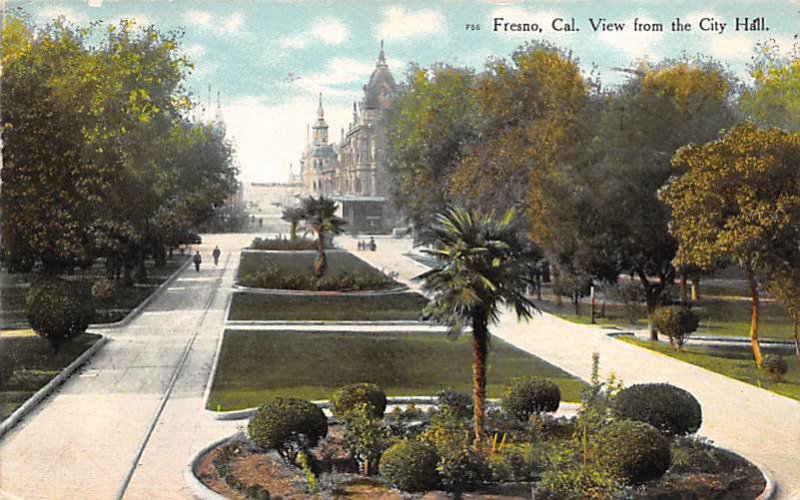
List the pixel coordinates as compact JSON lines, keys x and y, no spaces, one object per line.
{"x":81,"y":442}
{"x":760,"y":425}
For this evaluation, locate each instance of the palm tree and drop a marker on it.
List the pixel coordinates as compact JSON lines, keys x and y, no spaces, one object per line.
{"x":320,"y":217}
{"x":485,"y":264}
{"x":293,"y":215}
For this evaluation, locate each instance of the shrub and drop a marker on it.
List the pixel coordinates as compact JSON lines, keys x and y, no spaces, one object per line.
{"x":6,"y":369}
{"x":632,"y":451}
{"x":103,"y":289}
{"x":567,"y":476}
{"x":367,"y":438}
{"x":289,"y":425}
{"x":282,"y":244}
{"x":346,"y":398}
{"x":410,"y":465}
{"x":670,"y":409}
{"x":516,"y":462}
{"x":59,"y":310}
{"x":459,"y":403}
{"x":631,"y":296}
{"x":775,"y":366}
{"x":528,"y":395}
{"x":675,"y":322}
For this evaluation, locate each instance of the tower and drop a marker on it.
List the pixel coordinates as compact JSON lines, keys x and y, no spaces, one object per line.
{"x":320,"y":127}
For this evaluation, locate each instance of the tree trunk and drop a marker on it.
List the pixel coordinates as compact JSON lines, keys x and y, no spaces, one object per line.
{"x":652,"y":300}
{"x":696,"y":288}
{"x":576,"y":301}
{"x":754,"y":319}
{"x":294,"y":230}
{"x":480,"y":346}
{"x":322,"y":261}
{"x":796,"y":339}
{"x":684,"y":298}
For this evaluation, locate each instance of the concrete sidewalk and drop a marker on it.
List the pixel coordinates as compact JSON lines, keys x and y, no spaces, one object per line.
{"x":81,"y":442}
{"x":758,"y":424}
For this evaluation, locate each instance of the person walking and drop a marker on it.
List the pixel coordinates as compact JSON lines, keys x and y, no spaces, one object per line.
{"x":197,"y":259}
{"x":372,"y":245}
{"x":216,"y":253}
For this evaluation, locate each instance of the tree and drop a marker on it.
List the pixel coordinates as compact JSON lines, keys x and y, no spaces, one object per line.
{"x":737,"y":198}
{"x":432,"y":120}
{"x":320,"y":217}
{"x":293,"y":215}
{"x":773,"y":100}
{"x":484,"y":265}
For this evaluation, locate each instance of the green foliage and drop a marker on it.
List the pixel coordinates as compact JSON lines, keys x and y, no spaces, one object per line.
{"x":367,"y":438}
{"x":283,"y":244}
{"x":320,"y":217}
{"x":632,"y":451}
{"x":273,"y":278}
{"x":293,"y":215}
{"x":288,"y":425}
{"x":410,"y":465}
{"x":59,"y":310}
{"x":776,"y":366}
{"x":772,"y":101}
{"x":631,"y":296}
{"x":516,"y":462}
{"x":676,"y":323}
{"x":528,"y":396}
{"x":458,"y":403}
{"x":103,"y":289}
{"x":6,"y":369}
{"x":349,"y":397}
{"x":305,"y":465}
{"x":670,"y":409}
{"x":568,"y":477}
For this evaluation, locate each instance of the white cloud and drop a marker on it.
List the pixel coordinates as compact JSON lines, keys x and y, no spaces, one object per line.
{"x":635,"y":44}
{"x":206,"y":21}
{"x":340,"y":71}
{"x":331,"y":31}
{"x":68,"y":13}
{"x":195,"y":52}
{"x":140,"y":20}
{"x":399,"y":23}
{"x":731,"y":47}
{"x":269,"y":137}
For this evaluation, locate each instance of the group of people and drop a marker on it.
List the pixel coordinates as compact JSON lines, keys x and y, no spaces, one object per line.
{"x":368,"y":245}
{"x":198,"y":259}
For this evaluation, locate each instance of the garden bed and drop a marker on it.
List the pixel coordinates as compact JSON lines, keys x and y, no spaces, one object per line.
{"x":406,"y":306}
{"x":294,"y":271}
{"x":256,"y":365}
{"x":35,"y":364}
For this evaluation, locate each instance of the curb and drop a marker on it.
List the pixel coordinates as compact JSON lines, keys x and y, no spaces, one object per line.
{"x":51,"y":386}
{"x":319,"y":293}
{"x":213,"y":373}
{"x":199,"y":489}
{"x":289,"y":323}
{"x":771,"y":488}
{"x":138,"y":309}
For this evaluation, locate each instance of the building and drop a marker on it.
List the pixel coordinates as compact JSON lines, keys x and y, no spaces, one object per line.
{"x":354,"y":171}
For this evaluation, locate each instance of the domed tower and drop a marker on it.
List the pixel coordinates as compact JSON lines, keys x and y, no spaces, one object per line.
{"x":381,"y":88}
{"x":320,"y":127}
{"x":318,"y":163}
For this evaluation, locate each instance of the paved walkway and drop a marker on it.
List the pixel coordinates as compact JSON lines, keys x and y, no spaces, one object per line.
{"x":81,"y":442}
{"x":760,"y":425}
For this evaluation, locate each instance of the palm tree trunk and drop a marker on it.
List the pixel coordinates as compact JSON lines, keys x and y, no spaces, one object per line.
{"x":754,"y":318}
{"x":684,"y":297}
{"x":480,"y":351}
{"x":294,"y":230}
{"x":322,"y":262}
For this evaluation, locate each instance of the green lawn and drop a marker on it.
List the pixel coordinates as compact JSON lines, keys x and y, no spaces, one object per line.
{"x":255,"y":366}
{"x":326,"y":307}
{"x":35,"y":364}
{"x":14,"y":289}
{"x":735,"y":362}
{"x":300,"y":262}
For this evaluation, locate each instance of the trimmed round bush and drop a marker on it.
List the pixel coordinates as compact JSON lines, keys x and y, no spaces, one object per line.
{"x":288,"y":425}
{"x":528,"y":395}
{"x":675,"y":322}
{"x":59,"y":310}
{"x":6,"y":369}
{"x":633,"y":452}
{"x":346,"y":398}
{"x":775,"y":366}
{"x":410,"y":465}
{"x":669,"y":409}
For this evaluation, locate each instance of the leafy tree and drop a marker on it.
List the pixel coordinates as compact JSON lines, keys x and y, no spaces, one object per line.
{"x":320,"y":217}
{"x":738,"y":198}
{"x":773,"y":100}
{"x":293,"y":215}
{"x":484,"y":265}
{"x":432,"y":120}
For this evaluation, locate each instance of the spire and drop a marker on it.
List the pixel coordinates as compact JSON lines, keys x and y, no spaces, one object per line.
{"x":355,"y":113}
{"x":219,"y":120}
{"x":320,"y":111}
{"x":381,"y":56}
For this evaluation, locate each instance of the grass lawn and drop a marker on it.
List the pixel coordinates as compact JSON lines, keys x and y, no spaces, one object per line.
{"x":301,"y":262}
{"x":735,"y":362}
{"x":35,"y":364}
{"x":255,"y":366}
{"x":14,"y":289}
{"x":271,"y":307}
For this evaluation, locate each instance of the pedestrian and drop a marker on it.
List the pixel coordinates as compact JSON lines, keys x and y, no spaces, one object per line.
{"x":372,"y":245}
{"x":197,"y":259}
{"x":360,"y":245}
{"x":216,"y":253}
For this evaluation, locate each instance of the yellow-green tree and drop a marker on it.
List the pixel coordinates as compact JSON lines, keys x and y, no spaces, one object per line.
{"x":773,"y":100}
{"x":737,"y":198}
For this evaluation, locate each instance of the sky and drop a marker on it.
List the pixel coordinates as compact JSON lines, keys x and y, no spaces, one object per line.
{"x":270,"y":59}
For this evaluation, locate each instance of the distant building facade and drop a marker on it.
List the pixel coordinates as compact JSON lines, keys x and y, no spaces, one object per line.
{"x":354,"y":171}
